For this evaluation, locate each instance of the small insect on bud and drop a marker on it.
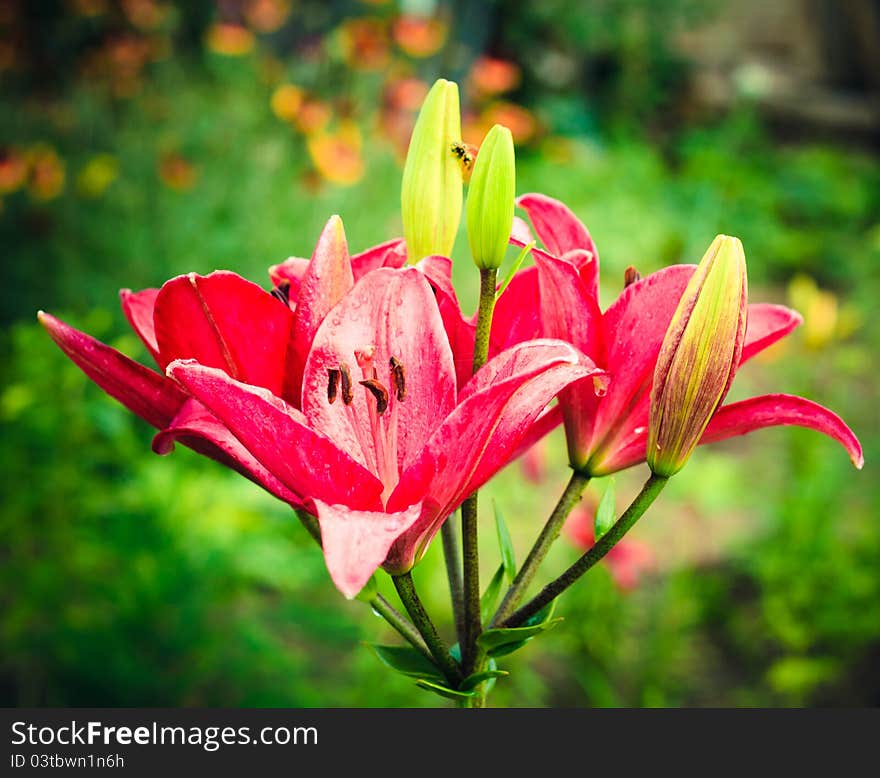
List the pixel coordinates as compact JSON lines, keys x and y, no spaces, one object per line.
{"x":431,"y":195}
{"x":698,"y":357}
{"x":466,"y":154}
{"x":630,"y":276}
{"x":490,"y":199}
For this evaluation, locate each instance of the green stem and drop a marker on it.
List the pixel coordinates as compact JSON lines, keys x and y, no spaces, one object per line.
{"x":653,"y":486}
{"x":569,"y":498}
{"x":452,"y":556}
{"x":422,"y":621}
{"x":401,"y":623}
{"x":471,"y":557}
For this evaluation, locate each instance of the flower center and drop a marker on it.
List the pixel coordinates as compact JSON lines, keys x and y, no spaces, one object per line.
{"x":377,"y":434}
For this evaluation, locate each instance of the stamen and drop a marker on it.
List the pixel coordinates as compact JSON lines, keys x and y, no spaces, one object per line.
{"x":398,"y":378}
{"x":347,"y":393}
{"x":379,"y":392}
{"x":282,"y":291}
{"x":333,"y":384}
{"x":630,"y":276}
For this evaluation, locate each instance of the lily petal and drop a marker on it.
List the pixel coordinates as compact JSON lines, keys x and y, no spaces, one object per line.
{"x":328,"y":278}
{"x":194,"y":426}
{"x":356,"y":542}
{"x":635,"y":324}
{"x":767,"y":323}
{"x":461,"y":332}
{"x":517,"y":315}
{"x":570,"y":312}
{"x":292,"y":270}
{"x":224,"y":321}
{"x":138,"y":309}
{"x":280,"y":440}
{"x":772,"y":410}
{"x":392,"y":253}
{"x":144,"y":392}
{"x":556,"y":225}
{"x":394,"y":312}
{"x":481,"y":435}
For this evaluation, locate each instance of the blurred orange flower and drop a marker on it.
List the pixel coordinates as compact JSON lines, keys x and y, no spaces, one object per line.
{"x":405,"y":94}
{"x":177,"y":172}
{"x":266,"y":15}
{"x":313,"y":116}
{"x":286,"y":101}
{"x":519,"y":120}
{"x":13,"y":171}
{"x":490,"y":76}
{"x":46,"y":173}
{"x":364,"y":43}
{"x":419,"y":36}
{"x":337,"y":155}
{"x":231,"y":40}
{"x":145,"y":14}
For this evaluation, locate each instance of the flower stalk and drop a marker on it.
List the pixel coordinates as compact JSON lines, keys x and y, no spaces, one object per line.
{"x":570,"y":497}
{"x":653,"y":486}
{"x":422,"y":621}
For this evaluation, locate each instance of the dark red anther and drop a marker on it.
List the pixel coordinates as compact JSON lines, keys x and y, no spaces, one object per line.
{"x":379,"y":392}
{"x":332,"y":384}
{"x":347,"y":393}
{"x":630,"y":276}
{"x":282,"y":291}
{"x":398,"y":378}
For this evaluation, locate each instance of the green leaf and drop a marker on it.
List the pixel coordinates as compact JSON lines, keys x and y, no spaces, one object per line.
{"x":444,"y":691}
{"x":506,"y":640}
{"x":508,"y":559}
{"x":473,"y":681}
{"x":520,"y":258}
{"x":407,"y":660}
{"x":605,"y":512}
{"x":490,"y":597}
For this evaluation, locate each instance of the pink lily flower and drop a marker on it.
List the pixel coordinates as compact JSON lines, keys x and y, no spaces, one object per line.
{"x":384,"y":447}
{"x":609,"y":432}
{"x":223,"y":321}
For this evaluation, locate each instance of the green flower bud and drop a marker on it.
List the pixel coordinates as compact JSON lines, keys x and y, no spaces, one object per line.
{"x":431,"y":195}
{"x":490,"y":199}
{"x":699,"y":356}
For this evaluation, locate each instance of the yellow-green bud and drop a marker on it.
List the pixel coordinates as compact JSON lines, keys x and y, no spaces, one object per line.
{"x":490,"y":199}
{"x":431,"y":195}
{"x":699,"y":356}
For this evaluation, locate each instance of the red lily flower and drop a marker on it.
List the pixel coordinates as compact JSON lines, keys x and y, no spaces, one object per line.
{"x":384,"y":447}
{"x":223,"y":321}
{"x":608,"y":433}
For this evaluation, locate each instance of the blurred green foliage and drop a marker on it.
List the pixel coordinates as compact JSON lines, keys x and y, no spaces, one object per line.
{"x":130,"y":579}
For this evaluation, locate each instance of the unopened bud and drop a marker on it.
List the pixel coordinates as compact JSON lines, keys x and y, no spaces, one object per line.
{"x":698,"y":357}
{"x":431,"y":194}
{"x":490,"y":199}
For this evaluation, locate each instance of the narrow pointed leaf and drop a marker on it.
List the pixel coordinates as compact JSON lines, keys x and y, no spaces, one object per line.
{"x":605,"y":512}
{"x":444,"y":691}
{"x":408,"y":661}
{"x":490,"y":597}
{"x":473,"y":681}
{"x":504,"y":640}
{"x":508,"y":558}
{"x":517,"y":263}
